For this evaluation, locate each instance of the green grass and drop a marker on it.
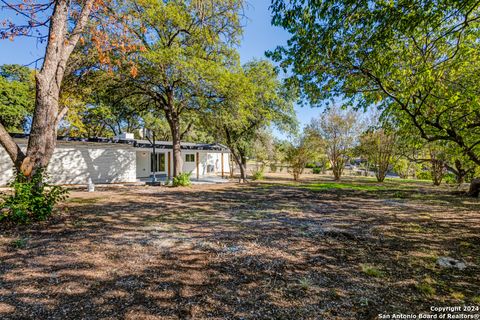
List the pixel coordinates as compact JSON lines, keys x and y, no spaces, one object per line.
{"x":20,"y":243}
{"x":305,"y":283}
{"x":426,"y":287}
{"x":342,"y":185}
{"x":372,"y":271}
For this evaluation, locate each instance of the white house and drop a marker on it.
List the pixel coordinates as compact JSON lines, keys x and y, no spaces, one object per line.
{"x":76,"y":160}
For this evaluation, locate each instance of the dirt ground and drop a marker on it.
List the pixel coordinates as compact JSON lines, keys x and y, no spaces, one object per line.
{"x":269,"y":250}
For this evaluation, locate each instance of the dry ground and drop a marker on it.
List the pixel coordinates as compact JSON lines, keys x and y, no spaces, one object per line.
{"x":270,"y":250}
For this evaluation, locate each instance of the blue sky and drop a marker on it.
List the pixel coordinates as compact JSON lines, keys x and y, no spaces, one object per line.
{"x":259,"y":36}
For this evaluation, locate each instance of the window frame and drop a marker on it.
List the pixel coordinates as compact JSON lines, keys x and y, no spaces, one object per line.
{"x":190,"y":157}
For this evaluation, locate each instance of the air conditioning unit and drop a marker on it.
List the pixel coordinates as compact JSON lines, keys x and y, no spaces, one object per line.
{"x":125,"y":136}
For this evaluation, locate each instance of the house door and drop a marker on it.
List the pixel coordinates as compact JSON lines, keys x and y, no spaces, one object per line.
{"x":158,"y":164}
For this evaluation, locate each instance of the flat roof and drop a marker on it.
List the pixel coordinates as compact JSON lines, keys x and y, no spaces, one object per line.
{"x":144,"y":144}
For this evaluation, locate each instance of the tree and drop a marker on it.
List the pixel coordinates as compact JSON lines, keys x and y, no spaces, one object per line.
{"x":301,"y":152}
{"x":186,"y":46}
{"x":378,"y":147}
{"x":66,"y":22}
{"x":17,"y":96}
{"x":252,"y":99}
{"x":339,"y":130}
{"x":417,"y":60}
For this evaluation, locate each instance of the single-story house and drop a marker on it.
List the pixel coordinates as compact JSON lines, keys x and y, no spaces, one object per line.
{"x":122,"y":160}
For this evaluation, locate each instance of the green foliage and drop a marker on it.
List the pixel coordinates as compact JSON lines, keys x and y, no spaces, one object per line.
{"x":450,"y":178}
{"x":298,"y":155}
{"x":254,"y":99}
{"x":259,"y":174}
{"x":424,"y":175}
{"x":33,"y":199}
{"x":273,"y":167}
{"x":316,"y":170}
{"x":17,"y":96}
{"x":336,"y":132}
{"x":416,"y":60}
{"x":182,"y":179}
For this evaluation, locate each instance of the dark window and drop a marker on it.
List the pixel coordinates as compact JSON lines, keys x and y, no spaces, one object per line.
{"x":160,"y":164}
{"x":189,"y":158}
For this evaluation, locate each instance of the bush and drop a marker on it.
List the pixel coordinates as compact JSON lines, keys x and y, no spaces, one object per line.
{"x":450,"y":178}
{"x":273,"y":167}
{"x":424,"y":175}
{"x":258,"y":175}
{"x":182,"y":179}
{"x":317,"y":170}
{"x":32,"y":200}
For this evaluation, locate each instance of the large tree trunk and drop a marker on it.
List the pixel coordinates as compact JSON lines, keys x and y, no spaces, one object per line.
{"x":474,"y":188}
{"x":460,"y":172}
{"x":241,"y":161}
{"x":176,"y":144}
{"x":337,"y":171}
{"x":438,"y":170}
{"x":46,"y":116}
{"x":382,"y":170}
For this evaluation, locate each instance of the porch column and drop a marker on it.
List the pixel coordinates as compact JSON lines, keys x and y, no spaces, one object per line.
{"x":169,"y":166}
{"x":197,"y":160}
{"x":223,"y":172}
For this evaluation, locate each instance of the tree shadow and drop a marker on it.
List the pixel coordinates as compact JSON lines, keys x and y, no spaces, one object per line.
{"x":237,"y":252}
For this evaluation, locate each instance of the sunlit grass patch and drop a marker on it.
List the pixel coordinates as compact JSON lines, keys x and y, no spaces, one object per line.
{"x":457,"y":295}
{"x":372,"y":271}
{"x":413,"y":227}
{"x":426,"y":287}
{"x":342,"y":185}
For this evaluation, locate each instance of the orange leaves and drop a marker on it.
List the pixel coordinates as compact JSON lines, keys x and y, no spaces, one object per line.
{"x":134,"y":71}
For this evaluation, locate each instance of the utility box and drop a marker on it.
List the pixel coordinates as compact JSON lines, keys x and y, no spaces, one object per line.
{"x":125,"y":136}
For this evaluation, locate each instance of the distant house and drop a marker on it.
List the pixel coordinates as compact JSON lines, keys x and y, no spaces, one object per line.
{"x":122,"y":160}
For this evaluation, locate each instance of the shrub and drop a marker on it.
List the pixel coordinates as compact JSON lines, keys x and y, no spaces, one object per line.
{"x":450,"y":178}
{"x":258,"y":175}
{"x":32,"y":200}
{"x":316,"y":170}
{"x":424,"y":175}
{"x":273,"y":167}
{"x":182,"y":179}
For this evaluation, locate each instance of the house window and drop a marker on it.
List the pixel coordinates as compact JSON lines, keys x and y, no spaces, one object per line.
{"x":159,"y":165}
{"x":190,"y":158}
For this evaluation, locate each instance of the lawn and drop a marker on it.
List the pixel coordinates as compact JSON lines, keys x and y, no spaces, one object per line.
{"x":269,"y":250}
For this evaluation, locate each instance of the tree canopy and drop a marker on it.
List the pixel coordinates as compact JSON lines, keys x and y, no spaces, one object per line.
{"x":17,"y":96}
{"x":417,"y":60}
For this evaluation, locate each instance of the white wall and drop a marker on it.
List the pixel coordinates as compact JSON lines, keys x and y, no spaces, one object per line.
{"x":143,"y":164}
{"x":75,"y":162}
{"x":210,"y":163}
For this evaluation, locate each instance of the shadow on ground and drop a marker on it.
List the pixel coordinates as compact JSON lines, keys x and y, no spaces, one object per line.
{"x":258,"y":251}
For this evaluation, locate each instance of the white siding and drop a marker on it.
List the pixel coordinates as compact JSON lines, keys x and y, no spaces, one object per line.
{"x":210,"y":163}
{"x":76,"y":162}
{"x":143,"y":164}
